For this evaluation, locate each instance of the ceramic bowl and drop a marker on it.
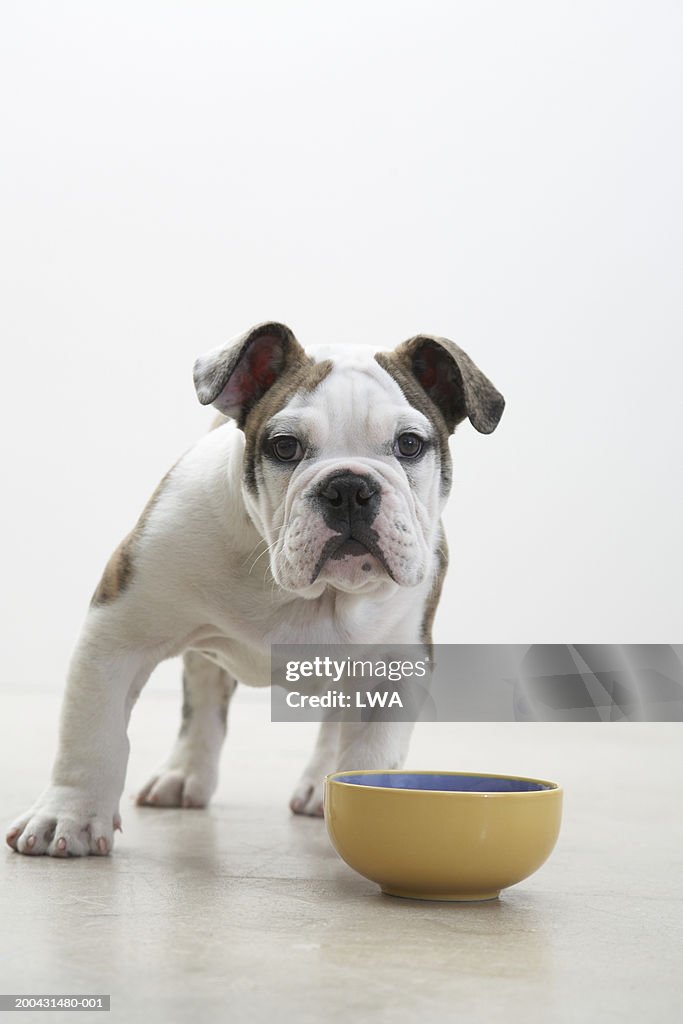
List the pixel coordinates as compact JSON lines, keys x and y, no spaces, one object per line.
{"x":442,"y":835}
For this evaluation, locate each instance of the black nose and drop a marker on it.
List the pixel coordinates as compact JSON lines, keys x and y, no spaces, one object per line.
{"x":349,"y":496}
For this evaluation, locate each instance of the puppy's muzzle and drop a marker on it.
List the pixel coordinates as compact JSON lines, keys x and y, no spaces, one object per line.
{"x":349,"y":503}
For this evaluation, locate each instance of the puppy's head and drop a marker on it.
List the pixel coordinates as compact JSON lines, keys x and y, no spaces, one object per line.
{"x":346,"y":461}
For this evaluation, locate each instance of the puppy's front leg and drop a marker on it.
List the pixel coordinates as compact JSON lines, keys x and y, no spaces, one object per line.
{"x":79,"y":810}
{"x":373,"y":745}
{"x":307,"y":798}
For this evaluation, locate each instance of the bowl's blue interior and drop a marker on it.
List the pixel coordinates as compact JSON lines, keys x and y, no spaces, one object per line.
{"x":447,"y":783}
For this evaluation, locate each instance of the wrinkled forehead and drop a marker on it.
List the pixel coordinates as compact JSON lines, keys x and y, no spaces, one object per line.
{"x":358,"y":404}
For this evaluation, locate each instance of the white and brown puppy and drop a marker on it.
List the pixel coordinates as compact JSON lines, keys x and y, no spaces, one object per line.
{"x":310,"y":515}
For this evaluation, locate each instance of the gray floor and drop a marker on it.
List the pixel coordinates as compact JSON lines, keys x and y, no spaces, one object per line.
{"x":245,"y":913}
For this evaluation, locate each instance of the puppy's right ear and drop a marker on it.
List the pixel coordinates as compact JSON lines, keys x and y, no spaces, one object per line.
{"x":235,"y":376}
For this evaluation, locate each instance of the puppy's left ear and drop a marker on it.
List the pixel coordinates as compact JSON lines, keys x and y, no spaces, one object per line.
{"x":235,"y":376}
{"x":452,"y":381}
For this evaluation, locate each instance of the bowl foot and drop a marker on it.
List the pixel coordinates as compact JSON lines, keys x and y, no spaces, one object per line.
{"x":478,"y":897}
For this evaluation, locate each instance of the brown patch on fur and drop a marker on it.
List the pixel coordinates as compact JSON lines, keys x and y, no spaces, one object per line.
{"x":187,"y":711}
{"x":399,"y":366}
{"x":118,"y":571}
{"x":303,"y":376}
{"x":116,"y":575}
{"x":435,"y":592}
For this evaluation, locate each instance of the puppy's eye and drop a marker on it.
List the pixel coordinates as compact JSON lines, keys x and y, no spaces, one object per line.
{"x":408,"y":446}
{"x":286,"y":448}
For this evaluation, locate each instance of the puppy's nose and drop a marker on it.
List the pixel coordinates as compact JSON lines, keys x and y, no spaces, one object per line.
{"x":349,"y":495}
{"x":347,"y":489}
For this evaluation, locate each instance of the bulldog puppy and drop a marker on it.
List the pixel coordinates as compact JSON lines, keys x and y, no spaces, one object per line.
{"x":310,"y":515}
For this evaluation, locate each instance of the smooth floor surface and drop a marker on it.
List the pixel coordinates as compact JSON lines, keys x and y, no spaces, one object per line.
{"x":245,"y":913}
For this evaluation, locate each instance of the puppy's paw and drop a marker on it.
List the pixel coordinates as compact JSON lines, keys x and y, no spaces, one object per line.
{"x":176,"y":787}
{"x":65,"y":822}
{"x":307,"y":799}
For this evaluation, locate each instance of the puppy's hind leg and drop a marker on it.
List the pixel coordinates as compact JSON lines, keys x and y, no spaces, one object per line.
{"x":190,"y":776}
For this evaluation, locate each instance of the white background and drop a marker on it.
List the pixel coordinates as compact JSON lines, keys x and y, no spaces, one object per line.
{"x":505,"y":174}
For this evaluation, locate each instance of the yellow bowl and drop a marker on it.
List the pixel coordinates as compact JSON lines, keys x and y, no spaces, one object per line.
{"x":442,"y":835}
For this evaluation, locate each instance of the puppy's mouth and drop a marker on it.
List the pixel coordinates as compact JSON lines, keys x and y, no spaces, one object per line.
{"x":360,"y":542}
{"x":351,"y":547}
